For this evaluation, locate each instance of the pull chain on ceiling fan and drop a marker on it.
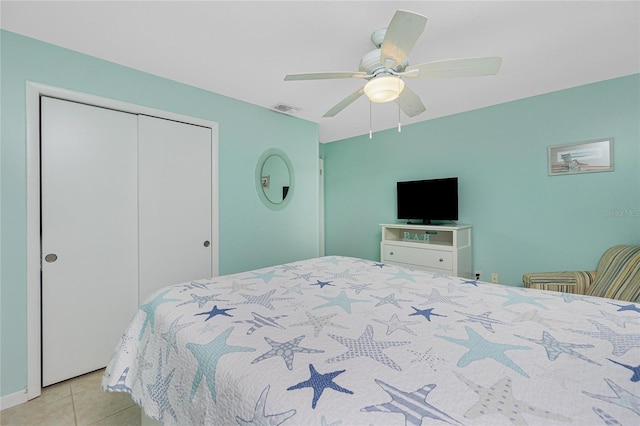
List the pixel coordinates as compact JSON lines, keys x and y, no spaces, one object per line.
{"x":387,"y":66}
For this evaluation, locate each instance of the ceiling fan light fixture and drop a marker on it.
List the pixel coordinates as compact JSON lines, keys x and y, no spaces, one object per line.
{"x":384,"y":89}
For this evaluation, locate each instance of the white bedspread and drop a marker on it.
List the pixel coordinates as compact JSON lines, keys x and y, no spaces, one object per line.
{"x":344,"y":341}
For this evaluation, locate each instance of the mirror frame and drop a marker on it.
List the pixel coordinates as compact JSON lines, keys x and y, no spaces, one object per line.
{"x":258,"y":179}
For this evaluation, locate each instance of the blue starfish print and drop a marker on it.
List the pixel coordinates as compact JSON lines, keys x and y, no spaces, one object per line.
{"x":289,"y":267}
{"x":402,"y":275}
{"x":532,"y":316}
{"x":261,"y":418}
{"x":608,"y":419}
{"x":295,"y":289}
{"x":344,"y":275}
{"x":619,"y":320}
{"x":150,"y":309}
{"x":436,"y":297}
{"x":635,"y":370}
{"x":193,"y":285}
{"x":453,"y":288}
{"x":159,"y":391}
{"x":390,"y":299}
{"x":264,"y":276}
{"x":202,"y":300}
{"x":170,"y":336}
{"x":413,"y":405}
{"x":318,"y":323}
{"x":425,"y":313}
{"x":264,"y":299}
{"x":400,"y":286}
{"x":570,"y":297}
{"x":358,"y":288}
{"x":480,"y":348}
{"x":623,"y":397}
{"x":237,"y":286}
{"x":394,"y":324}
{"x":215,"y":311}
{"x":622,"y":343}
{"x":629,"y":307}
{"x":322,"y":284}
{"x":498,"y":399}
{"x":208,"y":356}
{"x":483,"y":320}
{"x":367,"y":347}
{"x":120,"y":386}
{"x":341,"y":300}
{"x":323,"y":422}
{"x":305,"y":277}
{"x":319,"y":382}
{"x":554,"y":347}
{"x":442,"y":276}
{"x":330,"y":259}
{"x":514,"y":297}
{"x":260,"y":321}
{"x":286,"y":350}
{"x":471,"y":282}
{"x":379,"y":265}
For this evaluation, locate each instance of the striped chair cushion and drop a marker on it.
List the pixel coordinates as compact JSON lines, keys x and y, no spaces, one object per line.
{"x":576,"y":282}
{"x":618,"y":275}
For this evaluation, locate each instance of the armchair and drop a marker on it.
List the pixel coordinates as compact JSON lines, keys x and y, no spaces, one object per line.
{"x":617,"y":277}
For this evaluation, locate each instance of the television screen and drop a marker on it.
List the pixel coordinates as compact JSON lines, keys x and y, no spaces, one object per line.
{"x":427,"y":200}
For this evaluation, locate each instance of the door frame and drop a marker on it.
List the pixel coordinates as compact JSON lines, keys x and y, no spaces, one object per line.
{"x":321,"y":244}
{"x":33,"y":93}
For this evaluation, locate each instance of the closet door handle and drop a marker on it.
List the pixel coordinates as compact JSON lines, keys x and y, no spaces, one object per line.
{"x":51,"y":257}
{"x":207,"y":244}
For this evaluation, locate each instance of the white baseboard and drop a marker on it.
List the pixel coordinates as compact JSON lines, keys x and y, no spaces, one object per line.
{"x":13,"y":399}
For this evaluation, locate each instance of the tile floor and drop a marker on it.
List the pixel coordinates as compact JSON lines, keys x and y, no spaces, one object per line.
{"x":76,"y":402}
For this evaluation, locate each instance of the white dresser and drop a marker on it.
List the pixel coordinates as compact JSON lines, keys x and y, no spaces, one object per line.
{"x":444,"y":249}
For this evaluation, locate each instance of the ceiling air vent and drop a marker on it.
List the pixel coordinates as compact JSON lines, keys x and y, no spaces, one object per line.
{"x":284,"y":108}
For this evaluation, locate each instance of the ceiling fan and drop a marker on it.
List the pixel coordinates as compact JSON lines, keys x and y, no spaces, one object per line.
{"x":387,"y":66}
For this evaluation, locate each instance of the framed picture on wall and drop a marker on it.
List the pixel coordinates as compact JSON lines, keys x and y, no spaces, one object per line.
{"x":581,"y":157}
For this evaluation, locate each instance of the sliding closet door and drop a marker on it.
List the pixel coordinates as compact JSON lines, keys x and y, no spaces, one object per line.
{"x":174,"y":179}
{"x":89,"y":235}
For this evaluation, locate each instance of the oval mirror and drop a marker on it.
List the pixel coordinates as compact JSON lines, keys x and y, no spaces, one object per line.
{"x":274,"y":179}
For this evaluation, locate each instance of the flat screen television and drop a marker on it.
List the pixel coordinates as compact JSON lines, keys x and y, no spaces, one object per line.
{"x":428,"y":200}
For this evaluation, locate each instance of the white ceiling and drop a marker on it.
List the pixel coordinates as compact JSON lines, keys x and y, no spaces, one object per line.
{"x":243,"y":49}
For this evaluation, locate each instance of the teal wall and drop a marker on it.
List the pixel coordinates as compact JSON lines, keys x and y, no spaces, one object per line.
{"x":523,"y":220}
{"x":248,"y":230}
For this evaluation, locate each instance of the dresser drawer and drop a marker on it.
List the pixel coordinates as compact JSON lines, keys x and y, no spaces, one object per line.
{"x":417,"y":256}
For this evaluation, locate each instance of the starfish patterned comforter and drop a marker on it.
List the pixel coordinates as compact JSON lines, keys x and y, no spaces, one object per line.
{"x":345,"y":341}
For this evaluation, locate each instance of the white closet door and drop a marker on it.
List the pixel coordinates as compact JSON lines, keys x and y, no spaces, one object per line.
{"x":174,"y":177}
{"x":89,"y":222}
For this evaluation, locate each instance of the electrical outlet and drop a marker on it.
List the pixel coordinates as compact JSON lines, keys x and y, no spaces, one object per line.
{"x":494,"y":277}
{"x":478,"y":275}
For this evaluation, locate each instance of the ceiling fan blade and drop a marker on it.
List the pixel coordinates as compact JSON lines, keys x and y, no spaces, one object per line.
{"x":344,"y":103}
{"x":324,"y":75}
{"x":404,"y":30}
{"x":410,"y":103}
{"x":469,"y":67}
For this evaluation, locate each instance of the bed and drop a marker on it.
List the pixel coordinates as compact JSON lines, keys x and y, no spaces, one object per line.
{"x":345,"y":341}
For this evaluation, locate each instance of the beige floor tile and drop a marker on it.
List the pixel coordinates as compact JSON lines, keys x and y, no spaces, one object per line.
{"x":78,"y":402}
{"x":56,"y":413}
{"x":87,"y":382}
{"x":49,"y":394}
{"x":93,"y":404}
{"x":127,"y":417}
{"x":54,"y":392}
